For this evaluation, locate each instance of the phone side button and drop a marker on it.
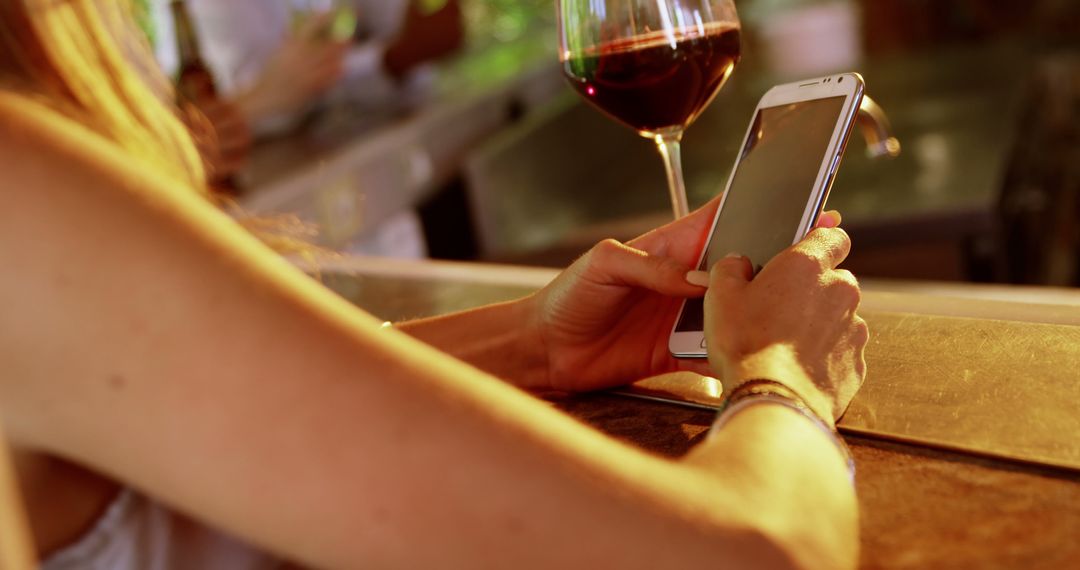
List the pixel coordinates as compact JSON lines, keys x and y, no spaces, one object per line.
{"x":702,"y":342}
{"x":832,"y":172}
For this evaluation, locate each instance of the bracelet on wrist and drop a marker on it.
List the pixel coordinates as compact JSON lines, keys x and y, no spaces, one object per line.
{"x":761,"y":391}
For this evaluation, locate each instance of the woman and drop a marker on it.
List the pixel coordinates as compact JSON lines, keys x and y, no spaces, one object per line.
{"x":158,"y":360}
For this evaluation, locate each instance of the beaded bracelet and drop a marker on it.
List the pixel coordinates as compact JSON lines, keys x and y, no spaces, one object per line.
{"x":763,"y":391}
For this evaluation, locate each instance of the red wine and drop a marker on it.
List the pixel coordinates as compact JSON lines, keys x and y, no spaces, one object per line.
{"x":652,"y":82}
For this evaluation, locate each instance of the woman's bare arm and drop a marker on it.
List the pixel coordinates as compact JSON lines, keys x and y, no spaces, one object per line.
{"x":146,"y":336}
{"x":500,"y":339}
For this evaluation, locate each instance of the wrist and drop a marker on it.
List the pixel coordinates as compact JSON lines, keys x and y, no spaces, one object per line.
{"x":768,"y":392}
{"x":529,"y":316}
{"x":779,"y":363}
{"x":500,"y":339}
{"x":760,"y":391}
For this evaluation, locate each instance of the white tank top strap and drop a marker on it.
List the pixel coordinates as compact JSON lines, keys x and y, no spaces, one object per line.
{"x":136,"y":533}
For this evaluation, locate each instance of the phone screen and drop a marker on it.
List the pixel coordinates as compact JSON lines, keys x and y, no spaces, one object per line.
{"x":772,"y":182}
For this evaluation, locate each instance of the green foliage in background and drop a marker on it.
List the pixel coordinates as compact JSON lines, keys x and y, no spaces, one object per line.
{"x":141,"y":10}
{"x":505,"y":20}
{"x":430,"y":6}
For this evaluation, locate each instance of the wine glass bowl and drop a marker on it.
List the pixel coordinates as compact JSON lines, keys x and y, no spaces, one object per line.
{"x":653,"y":65}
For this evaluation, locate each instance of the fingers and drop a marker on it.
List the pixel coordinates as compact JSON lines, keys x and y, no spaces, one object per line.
{"x":329,"y":53}
{"x":613,"y":263}
{"x":829,"y":219}
{"x":846,"y":287}
{"x":226,"y":119}
{"x":315,"y":26}
{"x":229,"y":137}
{"x":322,"y":72}
{"x":297,"y":61}
{"x":730,"y":274}
{"x":860,"y":332}
{"x":699,"y":278}
{"x":859,"y":336}
{"x":682,"y":239}
{"x":830,"y":246}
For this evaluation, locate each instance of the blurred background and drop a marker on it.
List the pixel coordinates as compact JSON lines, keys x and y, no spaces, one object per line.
{"x":476,"y":149}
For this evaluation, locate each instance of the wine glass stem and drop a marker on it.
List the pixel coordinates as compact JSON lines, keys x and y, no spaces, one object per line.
{"x":668,"y":143}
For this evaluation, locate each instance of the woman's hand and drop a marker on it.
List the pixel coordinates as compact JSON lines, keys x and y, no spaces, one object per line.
{"x":605,"y":321}
{"x":794,"y":323}
{"x":221,"y":134}
{"x":303,"y":68}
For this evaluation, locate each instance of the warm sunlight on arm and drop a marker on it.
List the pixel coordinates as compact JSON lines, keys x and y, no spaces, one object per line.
{"x":149,"y":338}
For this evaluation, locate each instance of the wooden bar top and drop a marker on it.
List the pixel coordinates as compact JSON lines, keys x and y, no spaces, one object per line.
{"x":919,"y":508}
{"x":965,"y":434}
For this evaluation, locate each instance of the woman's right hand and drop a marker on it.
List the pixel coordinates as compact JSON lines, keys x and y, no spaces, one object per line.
{"x":794,"y":323}
{"x":302,"y":69}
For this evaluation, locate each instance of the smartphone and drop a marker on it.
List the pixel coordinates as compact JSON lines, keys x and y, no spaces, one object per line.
{"x":779,"y":184}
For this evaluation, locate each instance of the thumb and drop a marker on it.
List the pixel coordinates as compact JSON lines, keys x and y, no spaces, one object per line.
{"x":614,"y":263}
{"x":731,"y":273}
{"x":312,"y":27}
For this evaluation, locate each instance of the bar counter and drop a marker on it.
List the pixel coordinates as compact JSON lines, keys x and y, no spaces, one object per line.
{"x":965,"y":434}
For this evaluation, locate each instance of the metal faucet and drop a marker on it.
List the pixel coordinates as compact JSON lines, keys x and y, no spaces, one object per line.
{"x":877,"y":131}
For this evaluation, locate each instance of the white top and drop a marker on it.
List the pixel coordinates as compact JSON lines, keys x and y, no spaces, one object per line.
{"x":137,"y":534}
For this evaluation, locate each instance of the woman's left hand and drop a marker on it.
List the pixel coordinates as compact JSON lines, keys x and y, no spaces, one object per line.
{"x":605,"y":321}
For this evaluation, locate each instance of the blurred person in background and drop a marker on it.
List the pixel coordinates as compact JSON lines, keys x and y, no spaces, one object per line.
{"x":277,"y":59}
{"x":179,"y":396}
{"x":276,"y":62}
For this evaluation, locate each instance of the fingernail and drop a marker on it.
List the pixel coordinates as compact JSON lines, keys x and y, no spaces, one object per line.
{"x":699,"y":278}
{"x":733,"y":255}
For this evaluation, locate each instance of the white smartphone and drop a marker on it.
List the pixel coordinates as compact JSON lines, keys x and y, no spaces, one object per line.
{"x":778,"y":187}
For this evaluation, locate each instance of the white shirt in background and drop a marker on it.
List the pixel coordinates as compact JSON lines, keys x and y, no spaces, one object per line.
{"x":238,"y":38}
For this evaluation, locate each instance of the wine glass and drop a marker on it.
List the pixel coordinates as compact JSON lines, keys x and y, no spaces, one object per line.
{"x":651,"y":64}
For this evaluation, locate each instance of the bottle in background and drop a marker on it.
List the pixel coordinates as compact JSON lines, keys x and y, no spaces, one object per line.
{"x":194,"y":81}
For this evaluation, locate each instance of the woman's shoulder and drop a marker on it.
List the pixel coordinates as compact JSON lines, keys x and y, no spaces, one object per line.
{"x":32,"y":131}
{"x":48,"y":150}
{"x":26,"y":118}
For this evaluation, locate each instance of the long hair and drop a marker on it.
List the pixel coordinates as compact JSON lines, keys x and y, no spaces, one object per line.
{"x":84,"y":59}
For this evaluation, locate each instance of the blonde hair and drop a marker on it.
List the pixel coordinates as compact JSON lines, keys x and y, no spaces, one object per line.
{"x":85,"y":59}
